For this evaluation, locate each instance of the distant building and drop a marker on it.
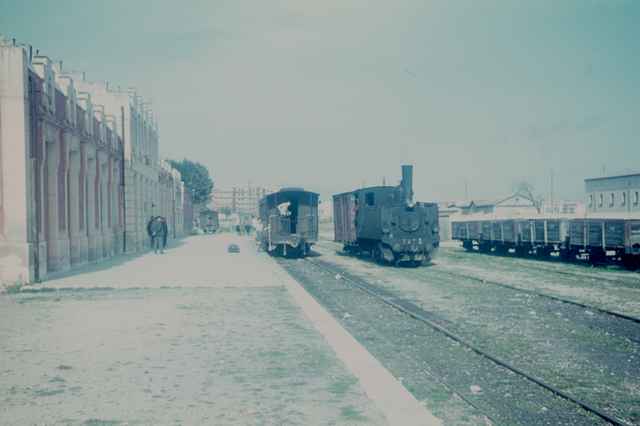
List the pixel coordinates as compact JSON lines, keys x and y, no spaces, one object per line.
{"x":239,"y":199}
{"x":512,"y":206}
{"x":613,"y":194}
{"x":563,"y":208}
{"x":325,"y":210}
{"x":445,"y":211}
{"x":477,"y":207}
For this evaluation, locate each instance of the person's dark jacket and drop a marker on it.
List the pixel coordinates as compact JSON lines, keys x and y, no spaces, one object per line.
{"x":149,"y":230}
{"x":165,"y":232}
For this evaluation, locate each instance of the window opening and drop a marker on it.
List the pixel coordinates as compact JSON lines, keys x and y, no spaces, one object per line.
{"x":370,"y":199}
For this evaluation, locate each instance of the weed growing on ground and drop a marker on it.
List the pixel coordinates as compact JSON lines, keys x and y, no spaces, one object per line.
{"x":11,"y":288}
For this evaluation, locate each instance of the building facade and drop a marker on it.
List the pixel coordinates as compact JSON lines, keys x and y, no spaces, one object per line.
{"x":79,"y":175}
{"x":515,"y":205}
{"x":241,"y":200}
{"x":613,"y":194}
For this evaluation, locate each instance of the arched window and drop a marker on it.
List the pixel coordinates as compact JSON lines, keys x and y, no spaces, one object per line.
{"x":635,"y":199}
{"x":624,"y":199}
{"x":590,"y":200}
{"x":612,"y":199}
{"x":601,"y":201}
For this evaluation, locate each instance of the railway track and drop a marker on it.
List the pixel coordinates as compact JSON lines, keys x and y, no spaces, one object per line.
{"x":535,"y":265}
{"x":543,"y":295}
{"x":416,"y":313}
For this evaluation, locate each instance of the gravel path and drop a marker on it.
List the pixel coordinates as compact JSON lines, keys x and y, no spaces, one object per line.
{"x":223,"y":344}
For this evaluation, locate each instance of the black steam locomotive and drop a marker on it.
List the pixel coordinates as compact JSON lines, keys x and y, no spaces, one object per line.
{"x":384,"y":221}
{"x":288,"y":222}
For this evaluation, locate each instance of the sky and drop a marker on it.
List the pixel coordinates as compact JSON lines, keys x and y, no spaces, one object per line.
{"x":334,"y":94}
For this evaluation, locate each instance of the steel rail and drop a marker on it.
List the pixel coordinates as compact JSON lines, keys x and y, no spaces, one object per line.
{"x":415,"y":314}
{"x":548,"y":296}
{"x":536,"y":265}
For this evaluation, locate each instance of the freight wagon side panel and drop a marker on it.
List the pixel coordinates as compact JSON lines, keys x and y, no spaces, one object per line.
{"x":458,"y":230}
{"x":454,"y":230}
{"x":594,"y":233}
{"x":496,"y":227}
{"x":307,"y":225}
{"x":538,"y":230}
{"x":344,"y":218}
{"x":614,"y":233}
{"x":487,"y":234}
{"x":632,"y":236}
{"x":509,"y":231}
{"x":577,"y":230}
{"x":556,"y":231}
{"x":474,"y":229}
{"x":524,"y":230}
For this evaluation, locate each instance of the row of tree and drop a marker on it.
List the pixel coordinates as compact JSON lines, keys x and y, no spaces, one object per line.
{"x":196,"y":178}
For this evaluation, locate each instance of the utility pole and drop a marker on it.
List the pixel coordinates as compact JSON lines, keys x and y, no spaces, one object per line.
{"x":552,"y":203}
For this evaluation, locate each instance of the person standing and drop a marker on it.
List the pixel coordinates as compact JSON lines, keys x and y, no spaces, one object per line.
{"x":164,"y":233}
{"x":154,"y":228}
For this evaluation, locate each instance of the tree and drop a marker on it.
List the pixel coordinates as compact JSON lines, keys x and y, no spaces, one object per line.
{"x":225,"y":211}
{"x":196,"y":179}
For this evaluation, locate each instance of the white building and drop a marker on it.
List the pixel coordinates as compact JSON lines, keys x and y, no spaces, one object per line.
{"x":613,"y":194}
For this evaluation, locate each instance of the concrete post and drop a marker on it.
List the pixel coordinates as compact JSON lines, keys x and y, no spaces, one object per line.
{"x":74,"y":206}
{"x":92,"y":243}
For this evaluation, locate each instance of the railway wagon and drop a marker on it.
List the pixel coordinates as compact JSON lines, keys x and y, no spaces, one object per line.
{"x":209,"y":221}
{"x":597,"y":240}
{"x":384,"y":222}
{"x":289,"y":222}
{"x":600,"y":240}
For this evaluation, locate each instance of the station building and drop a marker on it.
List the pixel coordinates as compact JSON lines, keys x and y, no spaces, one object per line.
{"x":613,"y":194}
{"x":79,"y":170}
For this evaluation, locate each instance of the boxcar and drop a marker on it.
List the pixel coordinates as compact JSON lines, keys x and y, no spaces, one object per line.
{"x":209,"y":221}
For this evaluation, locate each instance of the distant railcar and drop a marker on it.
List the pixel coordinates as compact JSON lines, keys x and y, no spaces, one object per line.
{"x":209,"y":221}
{"x":593,"y":239}
{"x":289,"y":222}
{"x":384,"y":222}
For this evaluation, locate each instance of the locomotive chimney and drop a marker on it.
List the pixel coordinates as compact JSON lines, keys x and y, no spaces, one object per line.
{"x":407,"y":183}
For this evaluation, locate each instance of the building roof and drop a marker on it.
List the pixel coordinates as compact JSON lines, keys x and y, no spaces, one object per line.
{"x":612,"y":176}
{"x":477,"y":203}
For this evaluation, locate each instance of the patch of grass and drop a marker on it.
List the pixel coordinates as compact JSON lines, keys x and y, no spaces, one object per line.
{"x":12,"y":288}
{"x":353,"y":414}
